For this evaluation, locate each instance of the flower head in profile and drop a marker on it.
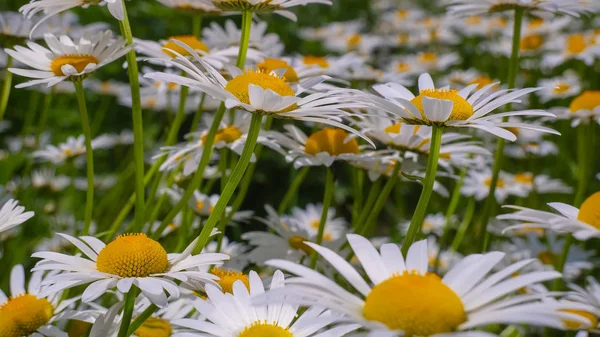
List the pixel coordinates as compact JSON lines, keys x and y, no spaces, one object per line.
{"x":475,"y":7}
{"x":263,"y":6}
{"x":228,"y":35}
{"x":469,"y":107}
{"x":564,"y":86}
{"x":191,"y":6}
{"x":65,"y":59}
{"x":404,"y":297}
{"x":129,"y":260}
{"x":583,"y":109}
{"x":12,"y":215}
{"x":15,"y":29}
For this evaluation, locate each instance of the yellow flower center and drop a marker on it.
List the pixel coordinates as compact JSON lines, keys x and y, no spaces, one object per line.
{"x":576,"y":44}
{"x":228,"y":277}
{"x":531,"y":42}
{"x":315,"y":61}
{"x":590,"y":211}
{"x":481,"y":81}
{"x":68,"y":152}
{"x":402,"y":14}
{"x":524,"y":178}
{"x":190,"y":40}
{"x":77,"y":61}
{"x":473,"y":20}
{"x":154,"y":327}
{"x":488,"y":182}
{"x":402,"y":67}
{"x":546,"y":257}
{"x":199,"y":205}
{"x":354,"y":40}
{"x":589,"y":100}
{"x":132,"y":255}
{"x":269,"y":65}
{"x":238,"y":86}
{"x":561,"y":88}
{"x":427,"y":58}
{"x":315,"y":223}
{"x":461,"y":110}
{"x":574,"y":325}
{"x":420,"y":305}
{"x":23,"y":315}
{"x":332,"y":141}
{"x":228,"y":134}
{"x":297,"y":242}
{"x":263,"y":329}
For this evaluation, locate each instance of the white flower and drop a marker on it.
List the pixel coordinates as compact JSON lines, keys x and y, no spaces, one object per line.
{"x":229,"y":35}
{"x":452,"y":108}
{"x":72,"y":148}
{"x":12,"y":215}
{"x":475,"y":7}
{"x":195,"y":6}
{"x":432,"y":224}
{"x":309,"y":218}
{"x":584,"y":108}
{"x":580,"y":46}
{"x":564,"y":86}
{"x":263,"y":6}
{"x":132,"y":259}
{"x":405,"y":297}
{"x":234,"y":315}
{"x":424,"y":62}
{"x":66,"y":59}
{"x":477,"y":184}
{"x":15,"y":27}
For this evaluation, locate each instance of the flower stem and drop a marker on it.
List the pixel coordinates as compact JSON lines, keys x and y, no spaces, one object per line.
{"x":89,"y":156}
{"x":197,"y":25}
{"x":44,"y":116}
{"x":464,"y":226}
{"x":381,"y":200}
{"x":198,"y":115}
{"x":151,"y":309}
{"x":245,"y":38}
{"x":327,"y":199}
{"x":371,"y":198}
{"x":432,"y":163}
{"x":292,"y":190}
{"x":232,"y":183}
{"x":138,"y":127}
{"x":358,"y":176}
{"x":127,"y":313}
{"x":449,"y":213}
{"x":6,"y":88}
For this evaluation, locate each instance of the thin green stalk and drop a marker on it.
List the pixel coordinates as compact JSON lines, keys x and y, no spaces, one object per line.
{"x":223,"y":166}
{"x":44,"y":116}
{"x":198,"y":115}
{"x":31,"y":113}
{"x":150,"y":310}
{"x":327,"y":200}
{"x":197,"y":25}
{"x":6,"y":88}
{"x":371,"y":198}
{"x":101,"y":114}
{"x":292,"y":190}
{"x":562,"y":259}
{"x":138,"y":127}
{"x":359,"y":177}
{"x":89,"y":156}
{"x":163,"y":197}
{"x":232,"y":183}
{"x":381,"y":200}
{"x":245,"y":38}
{"x":464,"y":226}
{"x":432,"y":163}
{"x":127,"y":313}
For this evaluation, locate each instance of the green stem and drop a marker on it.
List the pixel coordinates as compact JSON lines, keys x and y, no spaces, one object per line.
{"x":359,"y":177}
{"x":449,"y":213}
{"x":557,"y":283}
{"x":198,"y":115}
{"x":292,"y":190}
{"x":31,"y":113}
{"x":432,"y":163}
{"x":89,"y":156}
{"x":371,"y":198}
{"x":245,"y":38}
{"x":232,"y":183}
{"x":327,"y":200}
{"x":464,"y":226}
{"x":127,"y":313}
{"x":150,"y":310}
{"x":101,"y":114}
{"x":6,"y":88}
{"x":223,"y":166}
{"x":381,"y":200}
{"x":138,"y":127}
{"x":44,"y":116}
{"x":197,"y":25}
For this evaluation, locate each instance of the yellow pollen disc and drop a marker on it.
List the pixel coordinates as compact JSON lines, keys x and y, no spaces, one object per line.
{"x":488,"y":182}
{"x":420,"y":305}
{"x":577,"y":325}
{"x":315,"y":224}
{"x":68,"y":152}
{"x":576,"y":44}
{"x":427,"y":58}
{"x":238,"y":86}
{"x":228,"y":277}
{"x":78,"y":62}
{"x":561,"y":88}
{"x":473,"y":20}
{"x":268,"y":65}
{"x":546,"y":257}
{"x":327,"y":237}
{"x":524,"y":178}
{"x":23,"y":315}
{"x":315,"y":61}
{"x":461,"y":110}
{"x":589,"y":212}
{"x":132,"y":255}
{"x":354,"y":40}
{"x":199,"y":205}
{"x":190,"y":40}
{"x":263,"y":329}
{"x":154,"y":327}
{"x":402,"y":67}
{"x":228,"y":134}
{"x":297,"y":242}
{"x":481,"y":81}
{"x":332,"y":141}
{"x":402,"y":14}
{"x":537,"y":22}
{"x":403,"y":38}
{"x":531,"y":42}
{"x":589,"y":100}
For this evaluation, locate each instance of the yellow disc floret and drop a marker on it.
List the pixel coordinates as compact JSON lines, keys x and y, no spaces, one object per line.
{"x":590,"y":211}
{"x":575,"y":325}
{"x":269,"y":64}
{"x":576,"y":44}
{"x":228,"y":277}
{"x":24,"y":315}
{"x":77,"y":61}
{"x":298,"y":242}
{"x":154,"y":327}
{"x":532,"y":42}
{"x":420,"y":305}
{"x":461,"y":110}
{"x":238,"y":86}
{"x":227,"y":134}
{"x":190,"y":40}
{"x":589,"y":100}
{"x":482,"y":81}
{"x":315,"y":61}
{"x":264,"y":329}
{"x":332,"y":141}
{"x":132,"y":255}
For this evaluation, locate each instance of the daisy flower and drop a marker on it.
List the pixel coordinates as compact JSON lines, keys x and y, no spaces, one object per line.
{"x":589,"y":295}
{"x":192,"y":6}
{"x":363,"y":44}
{"x":464,"y":78}
{"x":584,"y":108}
{"x":234,"y":315}
{"x":235,"y":250}
{"x":229,"y":35}
{"x":129,"y":260}
{"x":530,"y":143}
{"x":424,"y":62}
{"x":583,"y":223}
{"x":564,"y":86}
{"x":263,"y":6}
{"x":452,"y":108}
{"x":12,"y":215}
{"x":72,"y":148}
{"x":475,"y":7}
{"x":578,"y":46}
{"x":477,"y":184}
{"x":310,"y":217}
{"x":66,"y":59}
{"x":432,"y":224}
{"x":405,"y":298}
{"x":15,"y":29}
{"x":28,"y":312}
{"x":263,"y":93}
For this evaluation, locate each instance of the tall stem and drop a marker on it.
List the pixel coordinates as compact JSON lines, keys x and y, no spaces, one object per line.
{"x":432,"y":163}
{"x":138,"y":127}
{"x":381,"y":200}
{"x":198,"y":115}
{"x":358,"y":176}
{"x":6,"y":88}
{"x":327,"y":199}
{"x":89,"y":156}
{"x":197,"y":25}
{"x":464,"y":226}
{"x":245,"y":39}
{"x":127,"y":313}
{"x":44,"y":116}
{"x":371,"y":198}
{"x":292,"y":190}
{"x":232,"y":183}
{"x":151,"y":309}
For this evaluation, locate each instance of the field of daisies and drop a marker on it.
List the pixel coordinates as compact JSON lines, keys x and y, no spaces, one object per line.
{"x":299,"y":168}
